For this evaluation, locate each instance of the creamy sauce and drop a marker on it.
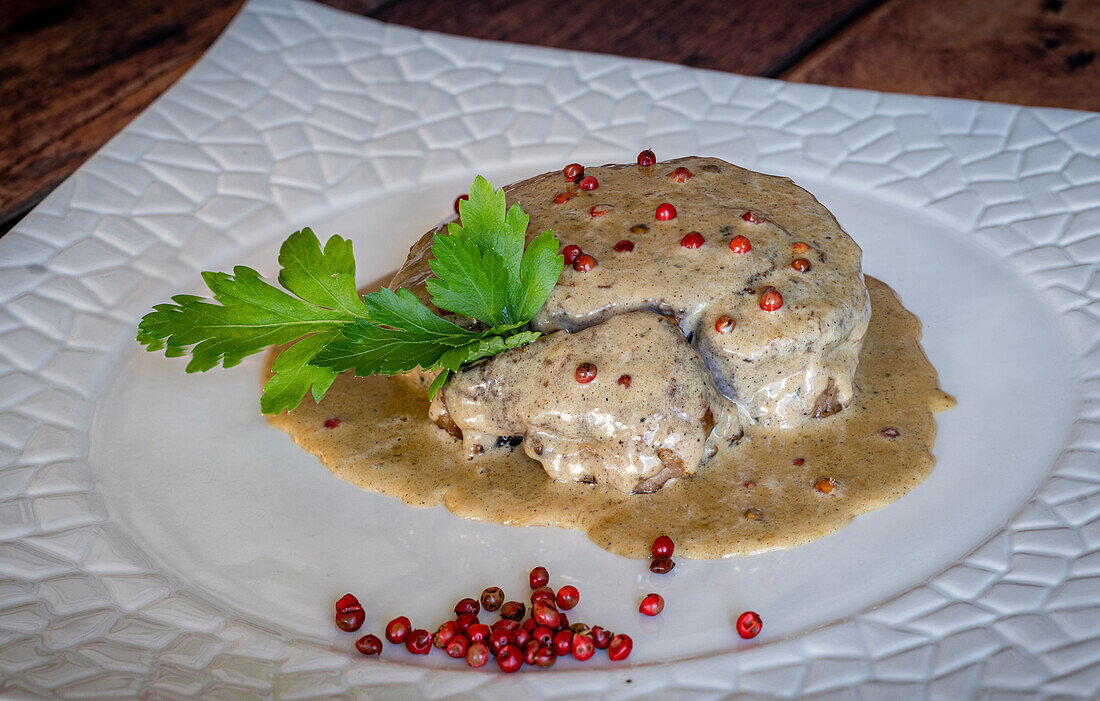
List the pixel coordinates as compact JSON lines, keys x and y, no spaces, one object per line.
{"x":385,"y":443}
{"x":775,"y":365}
{"x":650,"y":412}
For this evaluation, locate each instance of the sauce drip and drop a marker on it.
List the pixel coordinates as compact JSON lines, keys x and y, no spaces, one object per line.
{"x":755,"y":496}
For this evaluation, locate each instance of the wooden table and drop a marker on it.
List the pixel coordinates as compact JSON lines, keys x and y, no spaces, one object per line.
{"x":74,"y":72}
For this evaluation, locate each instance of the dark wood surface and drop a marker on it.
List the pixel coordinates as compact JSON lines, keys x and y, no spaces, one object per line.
{"x":75,"y":72}
{"x":754,"y":37}
{"x":1030,"y":52}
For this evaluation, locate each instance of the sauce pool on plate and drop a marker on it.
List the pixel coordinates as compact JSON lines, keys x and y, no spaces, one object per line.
{"x":775,"y":488}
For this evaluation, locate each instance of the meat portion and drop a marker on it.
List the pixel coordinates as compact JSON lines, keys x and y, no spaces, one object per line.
{"x":652,"y":413}
{"x":784,"y":367}
{"x":734,"y":358}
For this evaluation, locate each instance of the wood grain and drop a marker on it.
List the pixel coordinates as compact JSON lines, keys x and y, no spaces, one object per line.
{"x":1033,"y":52}
{"x":756,"y":37}
{"x":73,"y":73}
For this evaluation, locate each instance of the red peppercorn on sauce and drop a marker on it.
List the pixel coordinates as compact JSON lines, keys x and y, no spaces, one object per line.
{"x":709,"y":407}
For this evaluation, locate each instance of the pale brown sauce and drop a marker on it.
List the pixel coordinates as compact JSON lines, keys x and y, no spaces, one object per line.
{"x":385,"y":443}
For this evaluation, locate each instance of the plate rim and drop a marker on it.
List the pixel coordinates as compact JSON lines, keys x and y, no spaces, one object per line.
{"x":172,"y":143}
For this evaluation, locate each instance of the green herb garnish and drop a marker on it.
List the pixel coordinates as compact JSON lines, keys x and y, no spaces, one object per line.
{"x":480,"y":271}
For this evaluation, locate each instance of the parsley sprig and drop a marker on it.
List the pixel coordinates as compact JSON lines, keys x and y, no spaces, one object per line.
{"x":480,"y":271}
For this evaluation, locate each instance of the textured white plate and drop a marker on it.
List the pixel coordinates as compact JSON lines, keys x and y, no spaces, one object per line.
{"x":156,"y":537}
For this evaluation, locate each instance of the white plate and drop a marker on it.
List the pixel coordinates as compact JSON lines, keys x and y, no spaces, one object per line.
{"x":157,"y":537}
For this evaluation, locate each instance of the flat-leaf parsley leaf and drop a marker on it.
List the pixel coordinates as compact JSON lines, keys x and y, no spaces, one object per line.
{"x":481,"y":271}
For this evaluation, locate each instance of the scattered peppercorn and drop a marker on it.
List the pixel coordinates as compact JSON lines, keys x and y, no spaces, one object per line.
{"x":459,"y":199}
{"x":585,"y":373}
{"x":545,"y":656}
{"x":444,"y":634}
{"x":458,"y":647}
{"x":567,"y":597}
{"x":477,"y":655}
{"x":523,"y":635}
{"x":652,"y":604}
{"x":749,"y":625}
{"x":546,"y":614}
{"x":539,"y":577}
{"x":467,"y":606}
{"x":801,"y":265}
{"x":662,"y":546}
{"x":540,"y":640}
{"x":369,"y":645}
{"x":464,"y":621}
{"x":724,"y":324}
{"x":500,"y":637}
{"x":563,"y":642}
{"x":398,"y":629}
{"x":478,"y":633}
{"x":681,"y":175}
{"x":740,"y":244}
{"x":542,"y":634}
{"x":543,"y":593}
{"x":513,"y":610}
{"x":692,"y":240}
{"x":646,"y":158}
{"x":771,"y":300}
{"x":588,"y":183}
{"x":825,"y":485}
{"x":347,"y":601}
{"x":584,"y":263}
{"x":625,"y":380}
{"x":570,"y":253}
{"x":665,"y":212}
{"x":349,"y":613}
{"x":573,"y":172}
{"x":752,"y":218}
{"x":419,"y":642}
{"x":510,"y":659}
{"x":350,"y":620}
{"x":661,"y":565}
{"x":492,"y":599}
{"x":624,"y":246}
{"x":583,"y":647}
{"x":530,"y":650}
{"x":619,"y":648}
{"x":601,"y":638}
